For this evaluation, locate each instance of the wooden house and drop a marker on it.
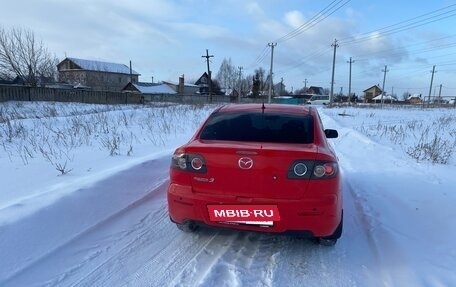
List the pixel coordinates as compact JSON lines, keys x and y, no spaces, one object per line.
{"x":371,"y":93}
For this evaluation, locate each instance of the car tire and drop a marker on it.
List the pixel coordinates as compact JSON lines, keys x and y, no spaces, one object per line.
{"x":332,"y":239}
{"x":188,"y":226}
{"x":327,"y":242}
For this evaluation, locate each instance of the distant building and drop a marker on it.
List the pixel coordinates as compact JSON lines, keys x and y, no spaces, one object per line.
{"x":371,"y":93}
{"x":386,"y":99}
{"x":203,"y":84}
{"x":96,"y":75}
{"x":315,"y":90}
{"x":148,"y":88}
{"x":6,"y":82}
{"x":279,"y":89}
{"x":414,"y":99}
{"x":183,"y":88}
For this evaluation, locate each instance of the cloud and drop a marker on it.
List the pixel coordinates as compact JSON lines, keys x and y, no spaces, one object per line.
{"x":294,"y":18}
{"x":202,"y":31}
{"x":254,"y":9}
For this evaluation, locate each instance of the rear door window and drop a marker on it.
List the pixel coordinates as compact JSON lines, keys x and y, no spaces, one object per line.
{"x":259,"y":127}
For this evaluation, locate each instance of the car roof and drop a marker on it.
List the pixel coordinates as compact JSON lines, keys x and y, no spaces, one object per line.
{"x":280,"y":108}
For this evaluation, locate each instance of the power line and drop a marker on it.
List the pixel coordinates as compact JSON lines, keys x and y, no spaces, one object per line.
{"x":320,"y":16}
{"x":389,"y":52}
{"x":403,"y":25}
{"x":260,"y":58}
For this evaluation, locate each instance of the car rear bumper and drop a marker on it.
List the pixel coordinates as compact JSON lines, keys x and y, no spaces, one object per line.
{"x":314,"y":216}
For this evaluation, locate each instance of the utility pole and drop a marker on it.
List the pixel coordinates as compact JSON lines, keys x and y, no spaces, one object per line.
{"x":281,"y":86}
{"x":131,"y":73}
{"x":305,"y":85}
{"x":440,"y":95}
{"x":383,"y":86}
{"x":209,"y":80}
{"x":331,"y":94}
{"x":272,"y":45}
{"x":240,"y":83}
{"x":350,"y":79}
{"x":152,"y":79}
{"x":430,"y":87}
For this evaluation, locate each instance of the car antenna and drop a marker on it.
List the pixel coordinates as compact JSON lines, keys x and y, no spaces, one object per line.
{"x":263,"y":106}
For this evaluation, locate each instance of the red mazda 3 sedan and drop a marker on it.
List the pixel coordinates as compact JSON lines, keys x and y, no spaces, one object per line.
{"x":259,"y":167}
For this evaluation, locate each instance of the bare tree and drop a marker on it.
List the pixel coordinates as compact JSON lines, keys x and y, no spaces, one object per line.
{"x":21,"y":55}
{"x":227,"y":74}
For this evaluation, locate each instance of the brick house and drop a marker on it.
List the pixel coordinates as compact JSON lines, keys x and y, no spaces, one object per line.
{"x":98,"y":75}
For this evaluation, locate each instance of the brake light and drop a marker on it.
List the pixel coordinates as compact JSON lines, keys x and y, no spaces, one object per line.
{"x":308,"y":169}
{"x":188,"y":162}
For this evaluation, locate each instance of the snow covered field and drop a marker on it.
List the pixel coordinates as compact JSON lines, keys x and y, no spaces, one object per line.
{"x":83,"y":202}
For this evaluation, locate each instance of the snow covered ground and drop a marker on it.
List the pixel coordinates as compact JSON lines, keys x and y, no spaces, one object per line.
{"x":83,"y":203}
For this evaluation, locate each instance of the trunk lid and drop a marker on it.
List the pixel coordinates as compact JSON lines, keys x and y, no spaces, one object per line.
{"x":250,"y":169}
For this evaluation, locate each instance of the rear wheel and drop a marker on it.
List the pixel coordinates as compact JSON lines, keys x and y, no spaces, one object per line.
{"x":332,"y":239}
{"x":187,"y":226}
{"x":327,"y":242}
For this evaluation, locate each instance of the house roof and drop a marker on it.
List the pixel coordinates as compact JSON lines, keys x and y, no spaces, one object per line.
{"x":151,"y":88}
{"x":177,"y":84}
{"x":315,"y":90}
{"x":202,"y":81}
{"x":99,"y":66}
{"x":374,"y":86}
{"x":414,"y":96}
{"x":385,"y":97}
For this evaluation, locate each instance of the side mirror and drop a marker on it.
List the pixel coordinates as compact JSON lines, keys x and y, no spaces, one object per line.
{"x":331,"y":134}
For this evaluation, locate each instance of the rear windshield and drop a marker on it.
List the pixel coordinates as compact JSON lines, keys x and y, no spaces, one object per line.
{"x":259,"y":127}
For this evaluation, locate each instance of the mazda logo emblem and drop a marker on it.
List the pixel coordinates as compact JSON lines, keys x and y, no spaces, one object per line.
{"x":245,"y":163}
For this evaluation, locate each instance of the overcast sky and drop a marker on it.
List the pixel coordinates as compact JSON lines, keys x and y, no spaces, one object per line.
{"x":166,"y":38}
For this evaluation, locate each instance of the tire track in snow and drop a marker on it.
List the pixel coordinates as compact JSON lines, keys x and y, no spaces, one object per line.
{"x":172,"y":257}
{"x":91,"y":252}
{"x":59,"y":254}
{"x":232,"y":259}
{"x":389,"y":264}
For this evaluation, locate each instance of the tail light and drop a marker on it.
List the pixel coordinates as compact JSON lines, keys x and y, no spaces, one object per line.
{"x":189,"y":162}
{"x":309,"y":169}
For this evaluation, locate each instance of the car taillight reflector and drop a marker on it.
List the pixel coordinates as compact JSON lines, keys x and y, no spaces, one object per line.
{"x":180,"y":161}
{"x":188,"y":162}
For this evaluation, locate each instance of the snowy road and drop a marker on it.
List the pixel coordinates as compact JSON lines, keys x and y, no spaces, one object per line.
{"x":137,"y":245}
{"x":116,"y":232}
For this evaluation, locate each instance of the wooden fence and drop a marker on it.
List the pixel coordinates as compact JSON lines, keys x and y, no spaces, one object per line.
{"x":24,"y":93}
